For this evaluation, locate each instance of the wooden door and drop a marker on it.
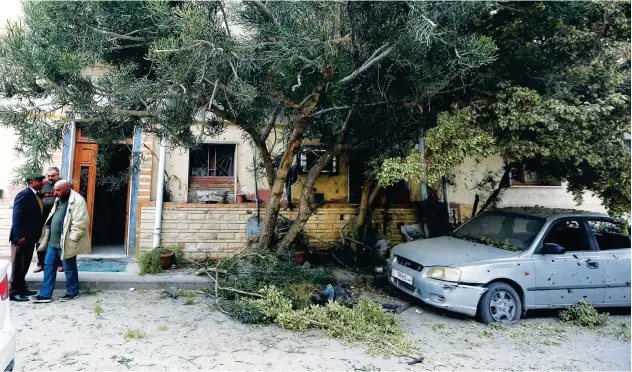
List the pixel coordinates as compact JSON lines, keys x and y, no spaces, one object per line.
{"x":85,"y":175}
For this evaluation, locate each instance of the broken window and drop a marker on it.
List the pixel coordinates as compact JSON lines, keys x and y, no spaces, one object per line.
{"x":526,"y":177}
{"x":610,"y":234}
{"x":570,"y":234}
{"x":212,"y":160}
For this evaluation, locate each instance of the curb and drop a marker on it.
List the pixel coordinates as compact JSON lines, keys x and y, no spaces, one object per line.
{"x":122,"y":281}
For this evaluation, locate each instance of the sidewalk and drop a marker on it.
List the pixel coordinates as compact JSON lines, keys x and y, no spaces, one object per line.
{"x":125,"y":280}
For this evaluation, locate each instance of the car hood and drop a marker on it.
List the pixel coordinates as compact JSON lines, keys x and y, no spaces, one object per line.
{"x":445,"y":251}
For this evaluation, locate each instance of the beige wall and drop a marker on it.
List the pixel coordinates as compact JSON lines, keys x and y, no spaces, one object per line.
{"x":472,"y":172}
{"x":220,"y":230}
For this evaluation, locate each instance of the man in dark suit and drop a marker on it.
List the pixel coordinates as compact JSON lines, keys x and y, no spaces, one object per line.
{"x":28,"y":219}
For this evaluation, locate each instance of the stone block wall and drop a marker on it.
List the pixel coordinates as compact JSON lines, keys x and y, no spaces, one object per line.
{"x":220,"y":230}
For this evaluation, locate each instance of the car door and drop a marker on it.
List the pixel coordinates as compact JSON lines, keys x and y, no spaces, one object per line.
{"x":565,"y":279}
{"x":613,"y":243}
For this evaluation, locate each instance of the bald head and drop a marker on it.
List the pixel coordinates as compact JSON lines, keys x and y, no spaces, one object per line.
{"x":62,"y":189}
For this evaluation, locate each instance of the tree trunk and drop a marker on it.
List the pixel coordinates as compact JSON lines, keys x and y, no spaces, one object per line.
{"x":303,"y":207}
{"x":308,"y":189}
{"x":273,"y":206}
{"x":363,"y":211}
{"x":370,"y":191}
{"x":502,"y":185}
{"x":475,"y":207}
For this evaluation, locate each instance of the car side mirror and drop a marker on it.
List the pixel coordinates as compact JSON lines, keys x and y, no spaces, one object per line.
{"x":552,"y":248}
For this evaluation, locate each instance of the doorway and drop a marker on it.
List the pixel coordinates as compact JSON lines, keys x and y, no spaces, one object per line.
{"x":109,"y":217}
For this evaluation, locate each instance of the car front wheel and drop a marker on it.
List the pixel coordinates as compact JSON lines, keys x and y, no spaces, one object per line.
{"x":500,"y":304}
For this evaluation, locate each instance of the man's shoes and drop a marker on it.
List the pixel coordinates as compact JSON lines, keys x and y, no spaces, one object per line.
{"x":68,"y":297}
{"x":28,"y":293}
{"x":60,"y":269}
{"x":18,"y":298}
{"x":38,"y":269}
{"x":40,"y":300}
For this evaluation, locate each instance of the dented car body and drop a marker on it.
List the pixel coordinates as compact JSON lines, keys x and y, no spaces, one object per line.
{"x":504,"y":262}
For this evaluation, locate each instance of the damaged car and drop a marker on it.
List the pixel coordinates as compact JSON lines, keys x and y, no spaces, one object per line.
{"x":507,"y":261}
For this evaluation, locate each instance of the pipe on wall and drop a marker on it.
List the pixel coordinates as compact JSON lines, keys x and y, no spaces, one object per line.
{"x":160,"y":193}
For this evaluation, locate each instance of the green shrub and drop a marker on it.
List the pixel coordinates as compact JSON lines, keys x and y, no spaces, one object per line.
{"x":585,"y":315}
{"x":151,"y":263}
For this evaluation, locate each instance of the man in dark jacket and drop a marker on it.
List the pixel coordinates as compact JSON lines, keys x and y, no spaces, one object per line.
{"x":26,"y":229}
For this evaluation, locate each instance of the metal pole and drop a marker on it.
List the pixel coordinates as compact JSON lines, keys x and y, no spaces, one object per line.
{"x":160,"y":192}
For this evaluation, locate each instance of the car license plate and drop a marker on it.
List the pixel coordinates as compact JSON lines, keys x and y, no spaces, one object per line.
{"x":402,"y":276}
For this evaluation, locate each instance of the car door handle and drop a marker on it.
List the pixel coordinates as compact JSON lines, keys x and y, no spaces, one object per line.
{"x":592,"y":264}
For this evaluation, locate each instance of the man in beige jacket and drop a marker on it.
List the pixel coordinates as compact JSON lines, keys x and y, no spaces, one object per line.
{"x":65,"y":235}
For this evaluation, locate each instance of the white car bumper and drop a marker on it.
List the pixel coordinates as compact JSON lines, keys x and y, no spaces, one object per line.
{"x":8,"y":338}
{"x":455,"y":297}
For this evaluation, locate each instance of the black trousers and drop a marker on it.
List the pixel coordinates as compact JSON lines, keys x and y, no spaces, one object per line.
{"x":21,"y":256}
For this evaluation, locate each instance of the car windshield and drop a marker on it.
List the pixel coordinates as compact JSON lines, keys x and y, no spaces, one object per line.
{"x":503,"y":230}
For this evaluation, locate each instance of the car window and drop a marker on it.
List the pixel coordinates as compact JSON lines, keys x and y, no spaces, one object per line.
{"x":515,"y":229}
{"x":610,"y":234}
{"x":570,"y":234}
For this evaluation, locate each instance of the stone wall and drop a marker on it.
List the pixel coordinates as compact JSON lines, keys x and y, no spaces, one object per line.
{"x":220,"y":230}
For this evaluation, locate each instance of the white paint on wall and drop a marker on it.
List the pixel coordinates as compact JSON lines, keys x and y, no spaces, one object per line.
{"x":471,"y":172}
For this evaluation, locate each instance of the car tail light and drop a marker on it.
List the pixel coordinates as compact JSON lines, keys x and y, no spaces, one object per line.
{"x":4,"y":288}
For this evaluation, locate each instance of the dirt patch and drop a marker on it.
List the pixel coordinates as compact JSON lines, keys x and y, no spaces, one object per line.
{"x":72,"y":336}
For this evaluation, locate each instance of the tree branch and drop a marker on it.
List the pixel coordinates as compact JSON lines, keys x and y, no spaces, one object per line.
{"x":367,"y":65}
{"x":332,"y":109}
{"x":119,"y":36}
{"x":268,"y":128}
{"x":374,"y":193}
{"x":503,"y":184}
{"x":221,"y":8}
{"x":120,"y":47}
{"x":264,"y":9}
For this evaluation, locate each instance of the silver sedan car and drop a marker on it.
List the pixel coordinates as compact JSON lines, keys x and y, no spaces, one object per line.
{"x":504,"y":262}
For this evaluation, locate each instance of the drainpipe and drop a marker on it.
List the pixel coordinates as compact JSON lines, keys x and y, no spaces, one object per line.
{"x":160,"y":192}
{"x":71,"y":152}
{"x":423,"y":185}
{"x":445,"y":195}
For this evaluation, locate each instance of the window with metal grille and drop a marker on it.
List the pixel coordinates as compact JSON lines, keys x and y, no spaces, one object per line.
{"x":212,"y":160}
{"x":308,"y":156}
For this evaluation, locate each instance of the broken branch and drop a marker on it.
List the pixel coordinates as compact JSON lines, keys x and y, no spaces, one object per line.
{"x":264,"y":9}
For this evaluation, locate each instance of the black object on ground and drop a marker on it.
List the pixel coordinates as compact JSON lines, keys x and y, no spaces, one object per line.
{"x":415,"y":361}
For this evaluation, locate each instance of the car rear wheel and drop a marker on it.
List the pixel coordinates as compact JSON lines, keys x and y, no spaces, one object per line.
{"x":500,"y":304}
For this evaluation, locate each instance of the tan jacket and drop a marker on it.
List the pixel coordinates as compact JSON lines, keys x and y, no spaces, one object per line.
{"x":74,"y":238}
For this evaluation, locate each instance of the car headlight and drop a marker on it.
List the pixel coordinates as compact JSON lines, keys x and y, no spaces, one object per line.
{"x":449,"y":274}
